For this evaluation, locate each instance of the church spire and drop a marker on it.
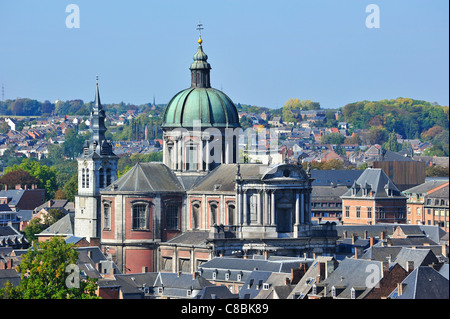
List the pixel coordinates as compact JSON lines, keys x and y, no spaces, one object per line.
{"x":200,"y":68}
{"x":98,"y":143}
{"x":97,"y":103}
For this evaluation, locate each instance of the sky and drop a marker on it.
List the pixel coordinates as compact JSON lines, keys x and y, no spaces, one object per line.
{"x":261,"y":52}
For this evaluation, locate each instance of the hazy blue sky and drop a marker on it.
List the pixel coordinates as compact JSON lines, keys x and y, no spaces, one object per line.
{"x":261,"y":52}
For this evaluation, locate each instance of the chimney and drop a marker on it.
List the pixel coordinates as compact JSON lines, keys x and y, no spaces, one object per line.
{"x":6,"y":187}
{"x":345,"y":234}
{"x":195,"y":275}
{"x":382,"y":234}
{"x":400,"y":287}
{"x":356,"y":252}
{"x":409,"y":265}
{"x":385,"y":267}
{"x":366,"y":233}
{"x":18,"y":186}
{"x":287,"y":281}
{"x":179,"y":274}
{"x":354,"y":237}
{"x":444,"y":250}
{"x":49,"y":203}
{"x":322,"y":271}
{"x":372,"y":241}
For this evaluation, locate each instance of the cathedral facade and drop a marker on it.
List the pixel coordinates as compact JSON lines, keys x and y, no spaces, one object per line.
{"x":200,"y":202}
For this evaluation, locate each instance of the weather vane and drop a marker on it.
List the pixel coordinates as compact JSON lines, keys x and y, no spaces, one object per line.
{"x":200,"y":28}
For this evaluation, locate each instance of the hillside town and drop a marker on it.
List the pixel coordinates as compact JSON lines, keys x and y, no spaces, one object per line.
{"x":255,"y":222}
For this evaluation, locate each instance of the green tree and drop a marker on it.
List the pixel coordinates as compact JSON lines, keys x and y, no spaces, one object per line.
{"x":332,"y":138}
{"x":392,"y":144}
{"x":71,"y":188}
{"x":73,"y":143}
{"x":45,"y":174}
{"x":44,"y":275}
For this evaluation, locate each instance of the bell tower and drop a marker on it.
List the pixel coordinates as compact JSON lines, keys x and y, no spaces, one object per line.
{"x":97,"y":168}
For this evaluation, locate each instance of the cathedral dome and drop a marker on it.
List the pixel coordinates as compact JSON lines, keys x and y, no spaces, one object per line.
{"x":208,"y":105}
{"x":200,"y":102}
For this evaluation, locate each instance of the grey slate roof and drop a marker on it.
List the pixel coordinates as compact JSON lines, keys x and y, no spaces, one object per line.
{"x":216,"y":292}
{"x":423,"y":283}
{"x":337,"y":177}
{"x":374,"y":179}
{"x":63,"y":227}
{"x":254,"y":284}
{"x":435,"y":233}
{"x":351,"y":273}
{"x":381,"y":253}
{"x":250,"y":264}
{"x":420,"y":257}
{"x":146,"y":178}
{"x":10,"y":275}
{"x":305,"y":284}
{"x":425,"y":187}
{"x":197,"y":238}
{"x":176,"y":285}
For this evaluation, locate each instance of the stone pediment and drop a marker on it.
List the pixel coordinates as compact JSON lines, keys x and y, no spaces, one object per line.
{"x":285,"y":172}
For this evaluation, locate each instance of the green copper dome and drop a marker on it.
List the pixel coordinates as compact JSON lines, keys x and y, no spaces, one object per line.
{"x":208,"y":105}
{"x":200,"y":102}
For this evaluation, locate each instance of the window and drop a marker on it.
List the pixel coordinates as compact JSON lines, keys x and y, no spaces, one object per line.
{"x":227,"y":276}
{"x":108,"y":177}
{"x":101,"y":176}
{"x":196,"y":216}
{"x":347,"y":211}
{"x":140,"y":217}
{"x":231,"y":209}
{"x":83,"y":178}
{"x":333,"y":292}
{"x":314,"y":289}
{"x":172,"y":216}
{"x":418,"y":211}
{"x":409,"y":210}
{"x":213,"y":211}
{"x":214,"y":275}
{"x":239,"y":277}
{"x":353,"y":293}
{"x":106,"y":216}
{"x":369,"y":212}
{"x":358,"y":212}
{"x":266,"y":286}
{"x":166,"y":264}
{"x":87,"y":178}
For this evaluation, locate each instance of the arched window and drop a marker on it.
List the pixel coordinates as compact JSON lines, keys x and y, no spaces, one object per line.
{"x":231,"y":210}
{"x":213,"y":212}
{"x":196,"y":216}
{"x":140,"y":216}
{"x":106,"y":216}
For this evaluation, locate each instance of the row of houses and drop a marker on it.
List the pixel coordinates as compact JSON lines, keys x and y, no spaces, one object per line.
{"x":396,"y":262}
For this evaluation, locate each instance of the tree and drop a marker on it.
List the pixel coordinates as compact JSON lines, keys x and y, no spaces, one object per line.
{"x":73,"y":143}
{"x":332,"y":138}
{"x":19,"y":177}
{"x":45,"y":174}
{"x":44,"y":274}
{"x":392,"y":144}
{"x":37,"y":225}
{"x":70,"y":189}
